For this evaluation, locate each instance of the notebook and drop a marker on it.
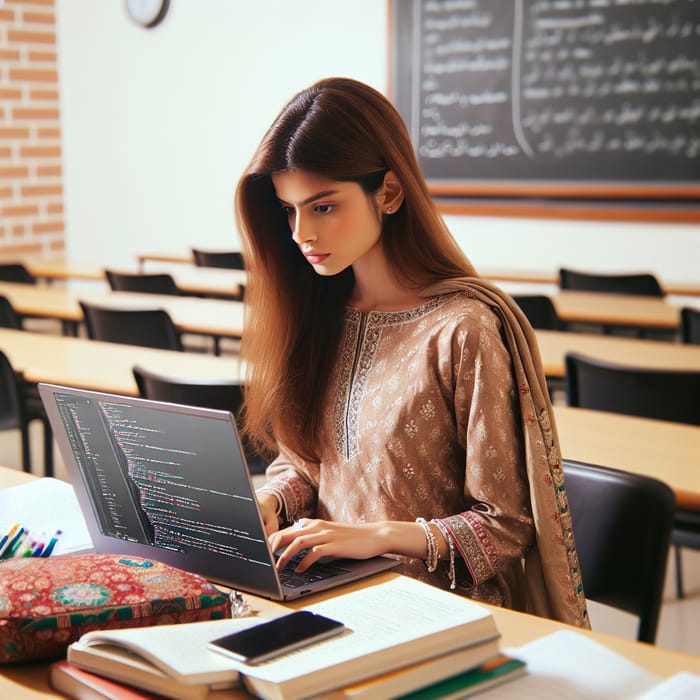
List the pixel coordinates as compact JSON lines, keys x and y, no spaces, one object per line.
{"x":170,"y":482}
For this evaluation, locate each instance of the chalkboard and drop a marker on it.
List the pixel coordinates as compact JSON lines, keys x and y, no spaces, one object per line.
{"x":555,"y":97}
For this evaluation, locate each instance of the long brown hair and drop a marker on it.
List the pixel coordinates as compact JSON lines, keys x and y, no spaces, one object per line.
{"x":343,"y":130}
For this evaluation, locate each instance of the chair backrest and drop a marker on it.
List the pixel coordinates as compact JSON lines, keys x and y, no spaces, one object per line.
{"x":222,"y":394}
{"x":230,"y":259}
{"x":540,"y":311}
{"x":665,"y":394}
{"x":152,"y":328}
{"x":9,"y":318}
{"x":159,"y":283}
{"x":690,"y":325}
{"x":16,"y":272}
{"x":641,"y":284}
{"x":622,"y":526}
{"x":10,"y":402}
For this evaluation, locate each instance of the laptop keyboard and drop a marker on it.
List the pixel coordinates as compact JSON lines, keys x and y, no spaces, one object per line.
{"x":316,"y":572}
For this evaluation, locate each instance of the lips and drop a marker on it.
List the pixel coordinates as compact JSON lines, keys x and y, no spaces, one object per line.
{"x":316,"y":258}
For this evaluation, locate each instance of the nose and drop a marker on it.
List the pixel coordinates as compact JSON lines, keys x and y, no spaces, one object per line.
{"x":302,"y":231}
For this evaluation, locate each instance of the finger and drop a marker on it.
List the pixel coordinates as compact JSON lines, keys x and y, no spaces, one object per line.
{"x":289,"y":547}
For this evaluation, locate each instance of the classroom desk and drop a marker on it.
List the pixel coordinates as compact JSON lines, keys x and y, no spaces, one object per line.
{"x":214,"y":317}
{"x":183,"y":258}
{"x":92,"y":364}
{"x":616,"y":310}
{"x":213,"y":282}
{"x":680,"y":288}
{"x":29,"y":681}
{"x":616,"y":349}
{"x":668,"y":451}
{"x":689,"y":288}
{"x":204,"y":316}
{"x":660,"y":449}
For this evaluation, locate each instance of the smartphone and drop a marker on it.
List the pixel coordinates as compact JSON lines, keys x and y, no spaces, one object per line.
{"x":276,"y":637}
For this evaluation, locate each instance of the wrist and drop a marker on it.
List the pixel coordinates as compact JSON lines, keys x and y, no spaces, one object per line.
{"x":271,"y":500}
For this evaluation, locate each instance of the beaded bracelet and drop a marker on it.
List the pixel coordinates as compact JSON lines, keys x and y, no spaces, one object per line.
{"x":445,"y":533}
{"x":431,"y":560}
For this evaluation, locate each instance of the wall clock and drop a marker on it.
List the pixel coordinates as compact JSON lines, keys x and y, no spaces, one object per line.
{"x":147,"y":13}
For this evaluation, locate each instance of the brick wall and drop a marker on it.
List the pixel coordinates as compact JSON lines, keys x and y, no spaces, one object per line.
{"x":31,"y":191}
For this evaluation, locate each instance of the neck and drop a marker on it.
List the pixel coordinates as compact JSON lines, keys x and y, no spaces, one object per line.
{"x":376,"y":288}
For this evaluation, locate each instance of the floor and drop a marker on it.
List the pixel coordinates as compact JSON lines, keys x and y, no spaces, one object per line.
{"x":678,"y":630}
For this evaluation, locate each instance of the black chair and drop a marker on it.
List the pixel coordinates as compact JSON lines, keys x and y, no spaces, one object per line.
{"x":542,"y":314}
{"x":672,"y":395}
{"x":16,"y":272}
{"x":622,"y":525}
{"x":664,"y":394}
{"x":232,"y":260}
{"x":540,"y":311}
{"x":221,"y":394}
{"x":690,"y":325}
{"x":641,"y":284}
{"x":151,"y":328}
{"x":19,"y":406}
{"x":160,"y":283}
{"x":9,"y":318}
{"x":686,"y":532}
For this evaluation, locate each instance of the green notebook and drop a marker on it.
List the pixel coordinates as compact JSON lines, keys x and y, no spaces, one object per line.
{"x":499,"y":670}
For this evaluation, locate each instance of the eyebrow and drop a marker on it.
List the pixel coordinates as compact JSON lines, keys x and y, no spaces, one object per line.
{"x":312,"y":198}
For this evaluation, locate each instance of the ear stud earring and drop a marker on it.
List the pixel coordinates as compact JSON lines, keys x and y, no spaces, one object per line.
{"x":389,"y":210}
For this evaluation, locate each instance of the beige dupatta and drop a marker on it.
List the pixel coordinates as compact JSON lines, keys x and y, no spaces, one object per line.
{"x":552,"y":572}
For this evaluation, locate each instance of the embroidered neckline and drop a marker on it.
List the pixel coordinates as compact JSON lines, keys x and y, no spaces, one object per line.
{"x":390,"y":318}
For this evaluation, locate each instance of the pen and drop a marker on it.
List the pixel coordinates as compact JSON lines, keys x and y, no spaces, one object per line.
{"x":27,"y":552}
{"x":11,"y":544}
{"x":5,"y":538}
{"x":38,"y":549}
{"x":51,"y":544}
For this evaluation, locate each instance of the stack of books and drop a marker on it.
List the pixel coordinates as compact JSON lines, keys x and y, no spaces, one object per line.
{"x":402,"y":637}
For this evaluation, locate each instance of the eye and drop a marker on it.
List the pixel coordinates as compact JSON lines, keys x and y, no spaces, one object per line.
{"x":324,"y":208}
{"x":288,"y":211}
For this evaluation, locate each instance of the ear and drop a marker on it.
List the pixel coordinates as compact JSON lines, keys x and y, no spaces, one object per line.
{"x":390,"y":194}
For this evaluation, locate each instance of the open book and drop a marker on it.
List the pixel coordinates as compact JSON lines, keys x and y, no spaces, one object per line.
{"x":391,"y":625}
{"x":171,"y":660}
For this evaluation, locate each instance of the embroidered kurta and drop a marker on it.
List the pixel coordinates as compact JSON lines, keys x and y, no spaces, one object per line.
{"x":423,"y":420}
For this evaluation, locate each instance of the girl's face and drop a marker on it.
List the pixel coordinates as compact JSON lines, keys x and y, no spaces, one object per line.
{"x":334,"y":223}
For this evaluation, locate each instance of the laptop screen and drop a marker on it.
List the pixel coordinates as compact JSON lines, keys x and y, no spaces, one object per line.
{"x":163,"y":481}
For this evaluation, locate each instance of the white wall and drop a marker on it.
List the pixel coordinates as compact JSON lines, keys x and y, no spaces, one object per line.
{"x":158,"y":125}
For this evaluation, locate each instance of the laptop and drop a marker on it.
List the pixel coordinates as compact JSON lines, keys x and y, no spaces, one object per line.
{"x":170,"y":482}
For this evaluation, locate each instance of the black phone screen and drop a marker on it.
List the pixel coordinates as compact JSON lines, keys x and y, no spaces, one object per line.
{"x":278,"y":636}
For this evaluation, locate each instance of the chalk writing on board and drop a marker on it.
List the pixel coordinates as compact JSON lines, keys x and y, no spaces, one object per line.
{"x":592,"y":89}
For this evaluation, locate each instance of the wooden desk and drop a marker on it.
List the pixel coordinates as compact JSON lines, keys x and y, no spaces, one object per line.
{"x":29,"y":681}
{"x":617,"y":349}
{"x":91,"y":364}
{"x":681,"y":288}
{"x":660,"y":449}
{"x":208,"y":281}
{"x":668,"y":451}
{"x":213,"y":317}
{"x":611,"y":309}
{"x":498,"y":274}
{"x":184,"y":258}
{"x":616,"y":310}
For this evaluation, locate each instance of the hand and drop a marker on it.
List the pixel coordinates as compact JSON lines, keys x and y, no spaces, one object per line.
{"x":323,"y":538}
{"x":268,"y":509}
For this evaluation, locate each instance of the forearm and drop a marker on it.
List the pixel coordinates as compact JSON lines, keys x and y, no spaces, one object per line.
{"x":410,"y":539}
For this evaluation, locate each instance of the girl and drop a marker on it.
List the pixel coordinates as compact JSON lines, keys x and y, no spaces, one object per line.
{"x":403,"y":395}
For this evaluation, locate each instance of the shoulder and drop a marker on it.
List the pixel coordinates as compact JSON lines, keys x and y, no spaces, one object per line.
{"x":465,"y":312}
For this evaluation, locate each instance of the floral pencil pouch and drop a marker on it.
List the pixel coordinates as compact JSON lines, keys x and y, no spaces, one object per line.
{"x":47,"y":603}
